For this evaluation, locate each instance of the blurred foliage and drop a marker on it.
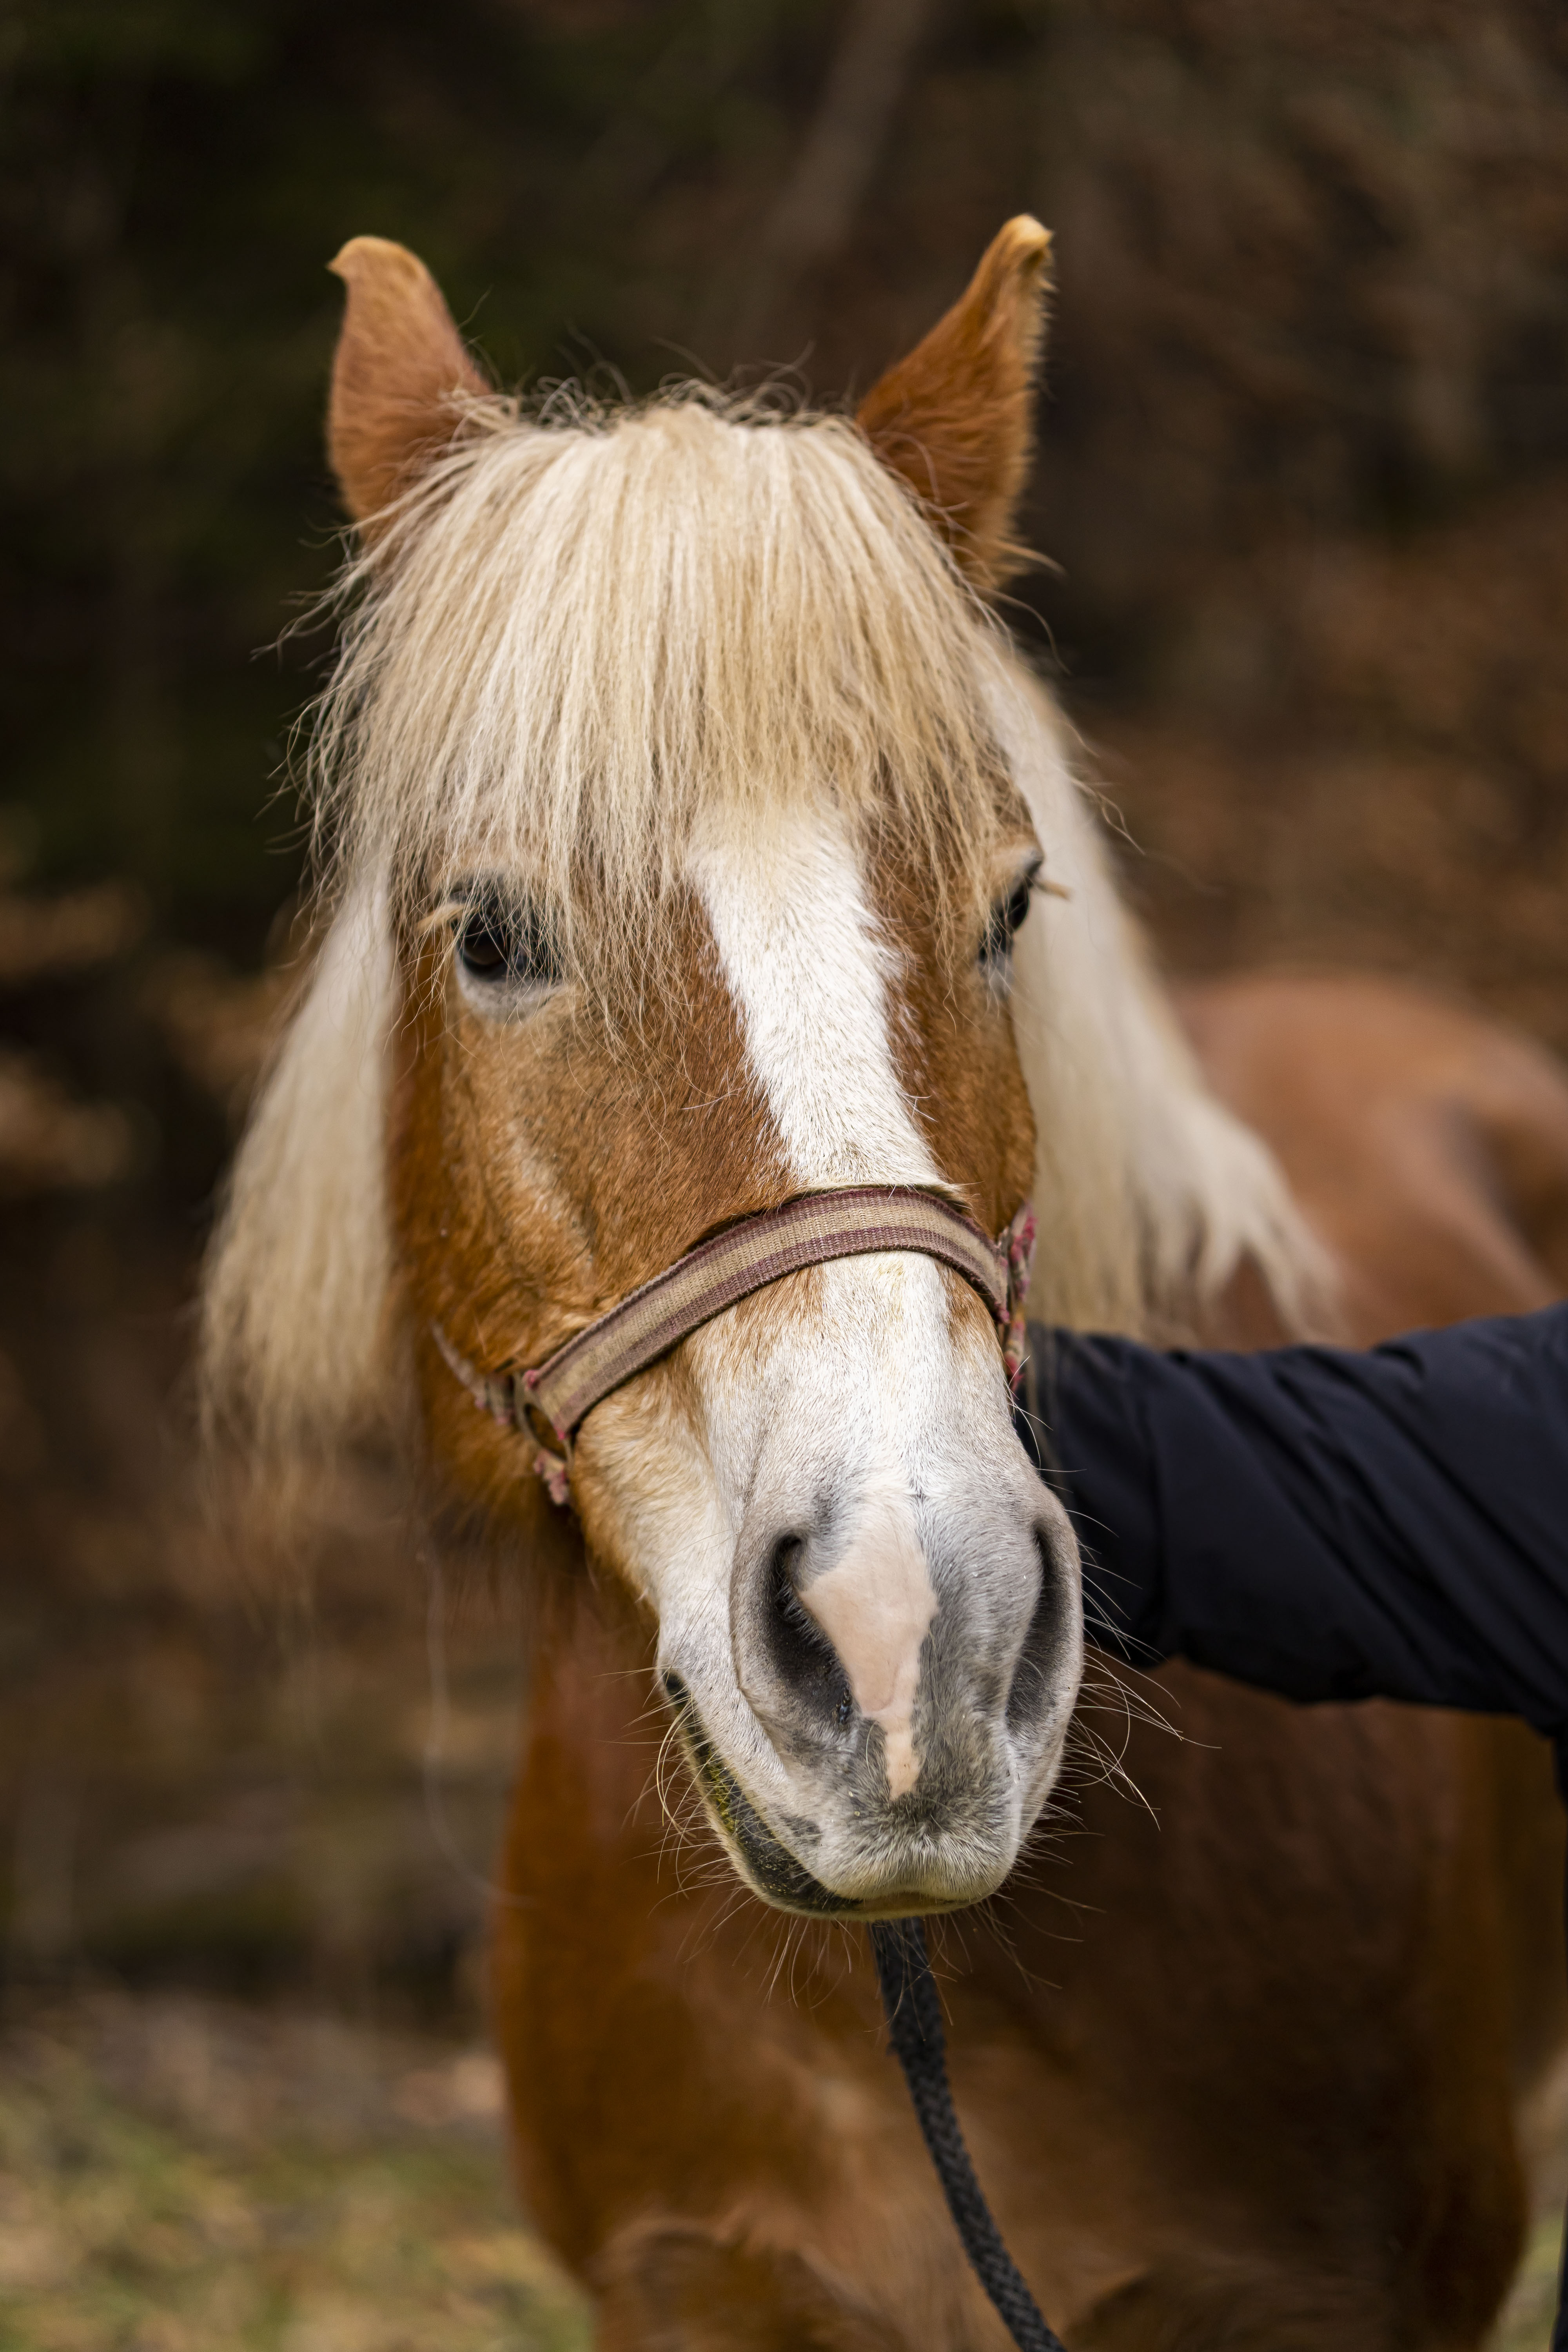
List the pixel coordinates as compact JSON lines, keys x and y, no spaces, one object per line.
{"x":177,"y":172}
{"x":1314,"y":282}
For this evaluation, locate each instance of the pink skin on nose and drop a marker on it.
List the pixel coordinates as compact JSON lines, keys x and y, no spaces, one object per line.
{"x":876,"y":1605}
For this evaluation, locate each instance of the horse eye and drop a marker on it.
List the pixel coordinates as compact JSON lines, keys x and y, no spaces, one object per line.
{"x":481,"y":947}
{"x":1007,"y":920}
{"x":499,"y":943}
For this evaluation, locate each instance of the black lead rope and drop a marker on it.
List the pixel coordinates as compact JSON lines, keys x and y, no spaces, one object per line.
{"x":913,"y":2010}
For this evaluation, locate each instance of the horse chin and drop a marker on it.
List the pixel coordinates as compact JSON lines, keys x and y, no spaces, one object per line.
{"x":776,"y":1873}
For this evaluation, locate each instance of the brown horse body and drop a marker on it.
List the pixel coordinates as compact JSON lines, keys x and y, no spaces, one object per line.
{"x":689,"y":806}
{"x":1242,"y":2068}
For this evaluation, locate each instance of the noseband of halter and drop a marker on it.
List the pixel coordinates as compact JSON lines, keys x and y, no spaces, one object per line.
{"x":550,"y":1402}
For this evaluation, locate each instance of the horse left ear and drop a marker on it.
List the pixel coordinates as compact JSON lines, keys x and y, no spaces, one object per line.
{"x":954,"y":420}
{"x":397,"y":377}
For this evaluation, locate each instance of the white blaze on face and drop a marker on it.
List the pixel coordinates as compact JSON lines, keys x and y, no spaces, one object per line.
{"x":807,"y":972}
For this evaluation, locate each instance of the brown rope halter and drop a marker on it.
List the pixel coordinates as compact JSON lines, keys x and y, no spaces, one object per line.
{"x":550,"y":1402}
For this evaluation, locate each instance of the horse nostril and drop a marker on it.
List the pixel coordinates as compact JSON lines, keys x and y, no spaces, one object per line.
{"x":784,"y":1553}
{"x":1034,"y":1678}
{"x":802,"y":1654}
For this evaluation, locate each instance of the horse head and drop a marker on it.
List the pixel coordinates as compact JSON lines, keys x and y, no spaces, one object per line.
{"x":677,"y":779}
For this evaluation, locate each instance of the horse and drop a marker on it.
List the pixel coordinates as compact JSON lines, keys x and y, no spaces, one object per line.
{"x":695,"y":842}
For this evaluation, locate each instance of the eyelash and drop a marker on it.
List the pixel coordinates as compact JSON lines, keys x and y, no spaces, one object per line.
{"x":1007,"y":918}
{"x":1006,"y":921}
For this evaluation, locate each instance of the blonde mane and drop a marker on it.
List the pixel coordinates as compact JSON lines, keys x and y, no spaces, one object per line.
{"x":1148,"y":1193}
{"x":583,"y":637}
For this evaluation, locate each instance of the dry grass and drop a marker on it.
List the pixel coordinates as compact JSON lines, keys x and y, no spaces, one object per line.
{"x":183,"y":2176}
{"x":1526,"y":2322}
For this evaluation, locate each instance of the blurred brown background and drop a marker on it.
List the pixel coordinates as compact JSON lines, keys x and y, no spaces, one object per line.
{"x":1303,"y":488}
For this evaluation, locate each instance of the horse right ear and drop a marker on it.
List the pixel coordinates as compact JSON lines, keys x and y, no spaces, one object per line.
{"x":954,"y":419}
{"x":397,"y":379}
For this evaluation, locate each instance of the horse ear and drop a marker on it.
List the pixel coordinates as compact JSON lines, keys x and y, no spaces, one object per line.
{"x":953,"y":419}
{"x":400,"y":362}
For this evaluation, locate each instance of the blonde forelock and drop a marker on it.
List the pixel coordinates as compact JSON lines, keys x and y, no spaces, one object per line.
{"x":586,"y":638}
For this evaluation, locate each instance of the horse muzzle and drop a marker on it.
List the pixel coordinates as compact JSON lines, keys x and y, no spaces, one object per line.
{"x":910,"y":1665}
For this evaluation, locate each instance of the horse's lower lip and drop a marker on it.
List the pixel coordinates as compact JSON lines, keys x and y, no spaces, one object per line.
{"x":778,"y":1874}
{"x":908,"y":1904}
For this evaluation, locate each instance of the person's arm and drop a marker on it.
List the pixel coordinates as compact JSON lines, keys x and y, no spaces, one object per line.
{"x":1328,"y":1523}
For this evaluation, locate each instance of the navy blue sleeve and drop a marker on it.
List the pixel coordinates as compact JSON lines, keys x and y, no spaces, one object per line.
{"x":1330,"y":1523}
